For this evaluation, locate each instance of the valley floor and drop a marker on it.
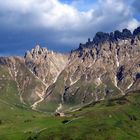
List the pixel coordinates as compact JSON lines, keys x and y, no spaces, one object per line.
{"x":117,"y":119}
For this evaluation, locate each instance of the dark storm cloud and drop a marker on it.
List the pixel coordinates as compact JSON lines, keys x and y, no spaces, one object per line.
{"x":61,"y":27}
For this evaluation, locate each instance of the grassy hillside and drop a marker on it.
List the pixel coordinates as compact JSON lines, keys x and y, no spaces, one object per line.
{"x":17,"y":123}
{"x":107,"y":120}
{"x":116,"y":119}
{"x":8,"y":88}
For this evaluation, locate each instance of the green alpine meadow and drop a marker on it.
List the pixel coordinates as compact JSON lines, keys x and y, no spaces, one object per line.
{"x":69,"y":70}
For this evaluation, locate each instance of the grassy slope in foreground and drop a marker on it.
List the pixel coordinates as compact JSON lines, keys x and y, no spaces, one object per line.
{"x":108,"y":120}
{"x":18,"y":123}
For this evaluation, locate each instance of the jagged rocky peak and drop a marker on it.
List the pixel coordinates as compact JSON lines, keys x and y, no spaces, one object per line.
{"x":36,"y":52}
{"x":45,"y":64}
{"x":101,"y":37}
{"x":136,"y":31}
{"x":117,"y":40}
{"x":109,"y":52}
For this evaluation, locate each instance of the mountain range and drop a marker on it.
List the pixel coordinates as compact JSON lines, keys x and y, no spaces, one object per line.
{"x":106,"y":67}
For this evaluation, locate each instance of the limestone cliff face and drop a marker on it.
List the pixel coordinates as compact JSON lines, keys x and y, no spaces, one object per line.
{"x":119,"y":59}
{"x":27,"y":86}
{"x":112,"y":65}
{"x":107,"y":67}
{"x":46,"y":65}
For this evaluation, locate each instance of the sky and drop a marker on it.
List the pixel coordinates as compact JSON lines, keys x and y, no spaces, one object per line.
{"x":60,"y":25}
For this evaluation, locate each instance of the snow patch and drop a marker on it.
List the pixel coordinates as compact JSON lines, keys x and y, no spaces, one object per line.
{"x":130,"y":86}
{"x":44,"y":80}
{"x":99,"y":81}
{"x":117,"y":60}
{"x":41,"y":96}
{"x":115,"y":82}
{"x":73,"y":82}
{"x":91,"y":65}
{"x":15,"y":78}
{"x":10,"y":72}
{"x":55,"y":79}
{"x":86,"y":77}
{"x":116,"y":85}
{"x":58,"y":110}
{"x":37,"y":78}
{"x":15,"y":71}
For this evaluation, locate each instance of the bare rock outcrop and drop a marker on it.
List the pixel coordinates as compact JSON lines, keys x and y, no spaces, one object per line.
{"x":46,"y":65}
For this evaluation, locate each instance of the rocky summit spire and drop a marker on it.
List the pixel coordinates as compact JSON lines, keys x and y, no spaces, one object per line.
{"x":45,"y":64}
{"x":101,"y":37}
{"x":136,"y":31}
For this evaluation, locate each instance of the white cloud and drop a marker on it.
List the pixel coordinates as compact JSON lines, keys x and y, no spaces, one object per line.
{"x":133,"y":24}
{"x":52,"y":13}
{"x":65,"y":21}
